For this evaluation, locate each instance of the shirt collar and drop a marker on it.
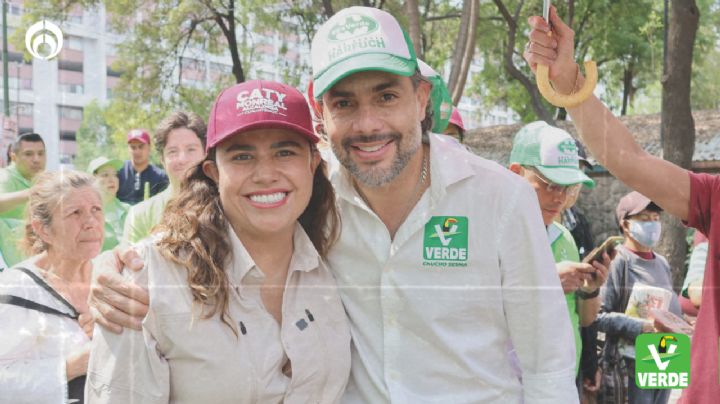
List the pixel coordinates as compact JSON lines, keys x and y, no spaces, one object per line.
{"x":305,"y":257}
{"x":554,"y":232}
{"x":12,"y":168}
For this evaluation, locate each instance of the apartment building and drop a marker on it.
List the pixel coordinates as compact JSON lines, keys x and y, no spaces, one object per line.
{"x":48,"y":97}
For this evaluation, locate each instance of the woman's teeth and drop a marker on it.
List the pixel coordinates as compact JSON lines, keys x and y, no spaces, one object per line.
{"x":268,"y":198}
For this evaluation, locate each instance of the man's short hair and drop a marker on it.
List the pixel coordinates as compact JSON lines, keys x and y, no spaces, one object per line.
{"x":26,"y":137}
{"x":427,"y":123}
{"x":177,"y":120}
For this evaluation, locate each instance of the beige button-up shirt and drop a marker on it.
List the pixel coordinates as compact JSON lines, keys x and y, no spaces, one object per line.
{"x":180,"y":357}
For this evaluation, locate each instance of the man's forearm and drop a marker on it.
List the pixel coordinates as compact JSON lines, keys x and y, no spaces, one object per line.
{"x":588,"y":310}
{"x":10,"y":200}
{"x":612,"y":144}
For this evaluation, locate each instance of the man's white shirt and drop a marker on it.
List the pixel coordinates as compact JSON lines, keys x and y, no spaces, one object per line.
{"x":468,"y":274}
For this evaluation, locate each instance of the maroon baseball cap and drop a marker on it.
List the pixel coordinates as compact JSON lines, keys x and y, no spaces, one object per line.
{"x":138,"y":135}
{"x":258,"y":104}
{"x":632,"y":204}
{"x":456,"y":119}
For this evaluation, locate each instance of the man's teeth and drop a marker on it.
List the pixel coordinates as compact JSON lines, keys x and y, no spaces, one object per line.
{"x":268,"y":198}
{"x":370,"y":148}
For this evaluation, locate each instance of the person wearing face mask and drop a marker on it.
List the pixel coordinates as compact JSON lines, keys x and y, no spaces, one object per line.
{"x":635,"y":265}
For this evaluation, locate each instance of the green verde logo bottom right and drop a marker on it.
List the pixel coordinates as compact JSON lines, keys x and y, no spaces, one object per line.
{"x":662,"y":361}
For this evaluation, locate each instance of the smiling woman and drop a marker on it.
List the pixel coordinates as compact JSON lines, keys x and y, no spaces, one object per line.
{"x":236,"y":276}
{"x":43,"y":300}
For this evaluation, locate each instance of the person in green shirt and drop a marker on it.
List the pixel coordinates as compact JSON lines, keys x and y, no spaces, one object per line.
{"x":180,"y":141}
{"x":28,"y":160}
{"x":105,"y":172}
{"x":547,"y":158}
{"x":11,"y":230}
{"x":27,"y":154}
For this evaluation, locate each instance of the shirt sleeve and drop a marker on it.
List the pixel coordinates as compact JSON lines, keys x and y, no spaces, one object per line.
{"x":127,"y":368}
{"x":696,"y":268}
{"x":704,"y":196}
{"x":135,"y":227}
{"x":26,"y":376}
{"x":533,"y":300}
{"x":612,"y":318}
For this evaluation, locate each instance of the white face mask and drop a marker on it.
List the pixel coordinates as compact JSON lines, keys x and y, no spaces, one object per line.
{"x":645,"y":233}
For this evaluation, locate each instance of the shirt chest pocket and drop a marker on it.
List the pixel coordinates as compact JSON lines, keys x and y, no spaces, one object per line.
{"x":317,"y":339}
{"x":207,"y":359}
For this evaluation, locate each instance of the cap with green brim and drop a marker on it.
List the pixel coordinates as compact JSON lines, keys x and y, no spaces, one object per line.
{"x":552,"y":151}
{"x":439,"y":96}
{"x":358,"y":39}
{"x":99,"y":162}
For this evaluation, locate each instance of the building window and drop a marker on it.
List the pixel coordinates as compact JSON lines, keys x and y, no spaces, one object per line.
{"x":74,"y":43}
{"x":19,"y":83}
{"x":22,"y":108}
{"x":71,"y":88}
{"x":74,"y":113}
{"x":67,"y":135}
{"x":15,"y":9}
{"x":220,"y":68}
{"x":70,"y":65}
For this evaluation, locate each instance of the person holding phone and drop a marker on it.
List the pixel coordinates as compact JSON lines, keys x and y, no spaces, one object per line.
{"x":547,"y":157}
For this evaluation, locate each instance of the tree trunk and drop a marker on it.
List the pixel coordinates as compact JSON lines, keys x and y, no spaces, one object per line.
{"x":468,"y":52}
{"x":328,"y":8}
{"x":627,"y":89}
{"x":678,"y":126}
{"x":227,"y":26}
{"x":535,"y":97}
{"x":457,"y":55}
{"x":413,"y":13}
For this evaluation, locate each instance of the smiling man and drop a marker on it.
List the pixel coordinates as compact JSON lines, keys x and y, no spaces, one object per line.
{"x":443,"y":262}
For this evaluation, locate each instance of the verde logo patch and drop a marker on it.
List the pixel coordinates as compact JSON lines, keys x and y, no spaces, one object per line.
{"x":445,"y":242}
{"x":567,"y":146}
{"x":662,"y":361}
{"x":354,"y":25}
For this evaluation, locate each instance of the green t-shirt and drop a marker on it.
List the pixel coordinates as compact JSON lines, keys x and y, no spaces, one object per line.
{"x":12,"y":181}
{"x":564,"y":249}
{"x":141,"y":218}
{"x":11,"y":232}
{"x":115,"y":212}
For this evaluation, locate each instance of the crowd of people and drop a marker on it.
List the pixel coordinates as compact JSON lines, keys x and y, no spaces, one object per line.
{"x":338,"y":248}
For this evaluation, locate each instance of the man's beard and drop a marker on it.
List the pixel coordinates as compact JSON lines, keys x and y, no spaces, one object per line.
{"x":375,"y":176}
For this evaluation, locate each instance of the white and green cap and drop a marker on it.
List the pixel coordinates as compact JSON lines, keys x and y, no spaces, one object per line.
{"x":99,"y":162}
{"x":552,"y":151}
{"x":439,"y":96}
{"x":358,"y":39}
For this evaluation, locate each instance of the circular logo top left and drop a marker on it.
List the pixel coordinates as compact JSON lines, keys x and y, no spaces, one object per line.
{"x":44,"y":40}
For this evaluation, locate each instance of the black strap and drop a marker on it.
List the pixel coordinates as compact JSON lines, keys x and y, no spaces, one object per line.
{"x":29,"y":304}
{"x":41,"y":282}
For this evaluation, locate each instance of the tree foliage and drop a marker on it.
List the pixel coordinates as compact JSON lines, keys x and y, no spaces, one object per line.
{"x":625,"y":37}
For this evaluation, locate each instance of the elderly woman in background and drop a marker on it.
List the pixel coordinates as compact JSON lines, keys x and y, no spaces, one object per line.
{"x":43,"y":300}
{"x":105,"y":172}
